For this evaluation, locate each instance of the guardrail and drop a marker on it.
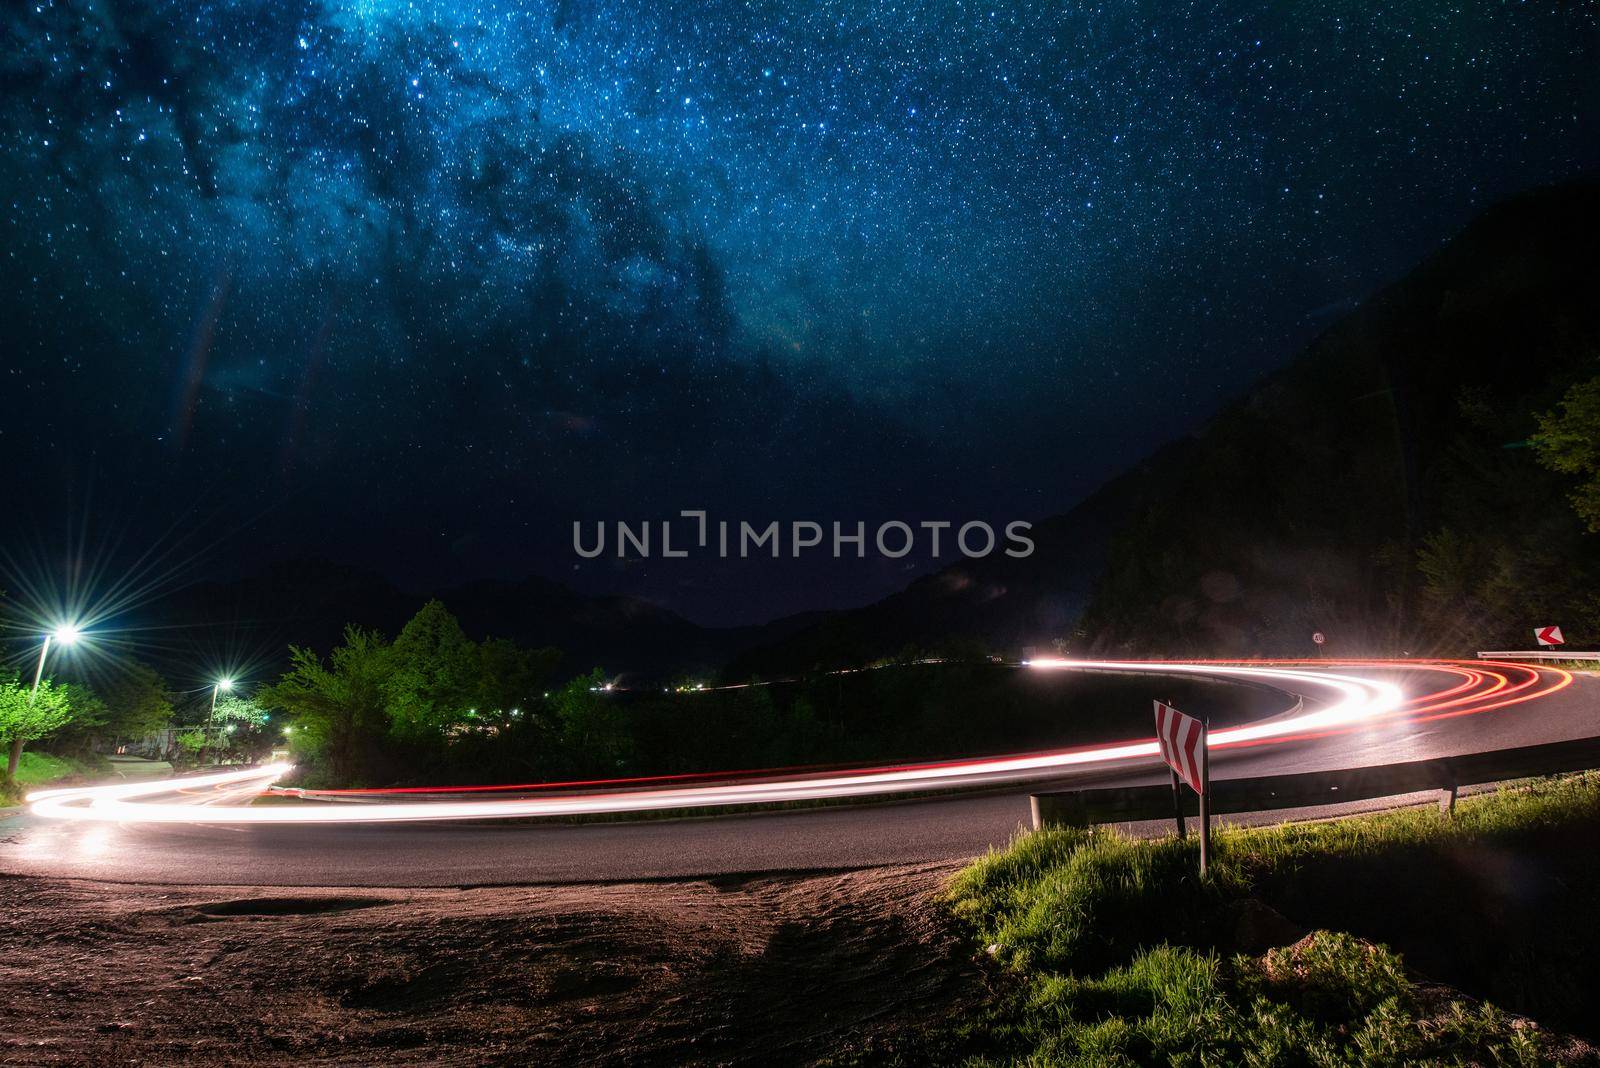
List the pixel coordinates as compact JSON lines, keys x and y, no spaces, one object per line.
{"x":1129,"y":804}
{"x":1537,"y":654}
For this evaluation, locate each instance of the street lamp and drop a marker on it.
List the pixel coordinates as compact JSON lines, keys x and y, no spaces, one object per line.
{"x":223,"y":684}
{"x":64,"y":634}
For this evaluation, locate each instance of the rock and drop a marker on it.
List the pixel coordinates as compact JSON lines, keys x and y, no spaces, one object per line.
{"x":1256,"y":927}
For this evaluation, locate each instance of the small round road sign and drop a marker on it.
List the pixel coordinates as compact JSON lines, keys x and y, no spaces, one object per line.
{"x":1319,"y":637}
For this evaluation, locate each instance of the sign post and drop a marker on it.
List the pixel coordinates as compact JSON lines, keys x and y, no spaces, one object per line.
{"x":1183,"y":744}
{"x":1177,"y":786}
{"x":1177,"y":806}
{"x":1205,"y":800}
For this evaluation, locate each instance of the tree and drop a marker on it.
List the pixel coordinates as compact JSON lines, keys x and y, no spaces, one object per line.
{"x":137,"y":701}
{"x":339,"y":708}
{"x":89,"y":717}
{"x":128,"y":701}
{"x":26,"y":715}
{"x":1568,"y":441}
{"x":509,"y":681}
{"x":188,"y":747}
{"x":593,"y":731}
{"x":241,"y":712}
{"x":430,"y":687}
{"x":238,"y":728}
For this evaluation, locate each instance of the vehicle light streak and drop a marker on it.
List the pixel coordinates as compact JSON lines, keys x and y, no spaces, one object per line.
{"x":1332,"y":702}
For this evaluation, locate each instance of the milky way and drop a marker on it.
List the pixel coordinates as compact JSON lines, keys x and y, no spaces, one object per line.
{"x":421,"y":283}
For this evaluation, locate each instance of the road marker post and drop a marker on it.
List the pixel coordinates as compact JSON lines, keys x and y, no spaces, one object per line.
{"x":1183,"y":743}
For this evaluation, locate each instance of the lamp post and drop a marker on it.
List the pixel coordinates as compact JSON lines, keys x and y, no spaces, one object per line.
{"x":64,"y":634}
{"x":218,"y":687}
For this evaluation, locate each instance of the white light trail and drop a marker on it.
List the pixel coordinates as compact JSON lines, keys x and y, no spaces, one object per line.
{"x":1350,"y":700}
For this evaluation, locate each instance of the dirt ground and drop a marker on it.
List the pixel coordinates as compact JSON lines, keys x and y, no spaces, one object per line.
{"x":768,"y":970}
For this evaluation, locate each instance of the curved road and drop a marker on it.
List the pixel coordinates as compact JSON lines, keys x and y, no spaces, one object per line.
{"x":1445,"y":710}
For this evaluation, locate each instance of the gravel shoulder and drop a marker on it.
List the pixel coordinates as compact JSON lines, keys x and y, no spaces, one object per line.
{"x":735,"y":970}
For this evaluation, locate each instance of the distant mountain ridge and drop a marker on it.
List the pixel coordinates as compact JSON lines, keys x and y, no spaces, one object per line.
{"x":309,"y":602}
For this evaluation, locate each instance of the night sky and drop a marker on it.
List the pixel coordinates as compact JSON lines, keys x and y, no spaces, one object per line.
{"x":416,"y":285}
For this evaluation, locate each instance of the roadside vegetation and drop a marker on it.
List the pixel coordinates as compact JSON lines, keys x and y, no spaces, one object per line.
{"x":41,"y":769}
{"x":1572,"y":665}
{"x":1307,"y":945}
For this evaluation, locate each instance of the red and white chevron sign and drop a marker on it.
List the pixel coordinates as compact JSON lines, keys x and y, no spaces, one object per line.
{"x":1183,"y":741}
{"x":1549,"y":636}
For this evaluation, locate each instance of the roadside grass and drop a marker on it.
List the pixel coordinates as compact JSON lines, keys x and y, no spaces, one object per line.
{"x":40,"y":769}
{"x":1115,"y":952}
{"x":1572,"y":665}
{"x":36,"y":769}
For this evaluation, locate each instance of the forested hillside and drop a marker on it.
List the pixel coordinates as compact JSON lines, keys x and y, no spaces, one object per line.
{"x":1393,"y":487}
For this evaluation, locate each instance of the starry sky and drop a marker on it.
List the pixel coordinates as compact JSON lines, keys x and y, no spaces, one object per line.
{"x":415,"y":285}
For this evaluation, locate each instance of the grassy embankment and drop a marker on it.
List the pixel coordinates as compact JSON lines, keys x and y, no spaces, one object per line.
{"x":1113,"y":951}
{"x":38,"y":769}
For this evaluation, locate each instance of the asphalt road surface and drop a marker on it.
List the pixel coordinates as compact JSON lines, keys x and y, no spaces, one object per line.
{"x":1502,"y":709}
